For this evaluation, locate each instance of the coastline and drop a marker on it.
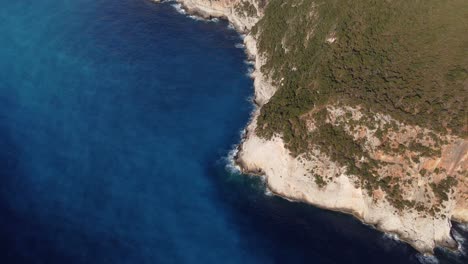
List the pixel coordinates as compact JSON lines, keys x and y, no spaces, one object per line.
{"x":208,"y":10}
{"x":256,"y":156}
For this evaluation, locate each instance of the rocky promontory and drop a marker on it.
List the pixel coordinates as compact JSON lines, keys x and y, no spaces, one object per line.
{"x":387,"y":169}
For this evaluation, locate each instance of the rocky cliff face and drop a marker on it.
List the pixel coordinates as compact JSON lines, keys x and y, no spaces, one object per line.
{"x":418,"y":178}
{"x":242,"y":14}
{"x":316,"y":179}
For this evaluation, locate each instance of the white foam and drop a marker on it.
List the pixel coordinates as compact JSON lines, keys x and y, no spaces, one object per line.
{"x":230,"y":159}
{"x":197,"y":18}
{"x":268,"y":192}
{"x":249,"y":62}
{"x":389,"y":241}
{"x":239,"y":45}
{"x":231,"y":164}
{"x":463,"y":227}
{"x":461,"y":241}
{"x":263,"y":180}
{"x":427,"y":259}
{"x":178,"y":7}
{"x":181,"y":10}
{"x":251,"y":99}
{"x":250,"y":71}
{"x":393,"y":237}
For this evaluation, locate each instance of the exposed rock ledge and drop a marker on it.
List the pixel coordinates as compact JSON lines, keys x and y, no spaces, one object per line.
{"x":287,"y":176}
{"x":221,"y":8}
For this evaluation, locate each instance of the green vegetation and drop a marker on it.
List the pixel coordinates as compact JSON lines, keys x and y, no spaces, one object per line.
{"x":423,"y":150}
{"x":319,"y":181}
{"x":442,"y":189}
{"x":246,"y":8}
{"x":404,"y":58}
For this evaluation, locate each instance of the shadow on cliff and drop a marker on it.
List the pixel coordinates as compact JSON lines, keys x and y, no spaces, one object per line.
{"x":293,"y":232}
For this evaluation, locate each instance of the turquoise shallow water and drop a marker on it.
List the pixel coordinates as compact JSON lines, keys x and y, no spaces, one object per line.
{"x":116,"y":118}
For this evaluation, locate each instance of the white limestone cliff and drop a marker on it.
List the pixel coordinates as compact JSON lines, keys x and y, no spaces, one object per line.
{"x":290,"y":176}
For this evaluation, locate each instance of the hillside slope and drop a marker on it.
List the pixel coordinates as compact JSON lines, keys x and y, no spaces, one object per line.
{"x":362,"y":108}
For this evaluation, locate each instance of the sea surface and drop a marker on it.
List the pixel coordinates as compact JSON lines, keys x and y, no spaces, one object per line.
{"x":117,"y":121}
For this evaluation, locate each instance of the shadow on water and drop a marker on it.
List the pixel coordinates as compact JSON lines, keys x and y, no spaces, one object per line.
{"x":130,"y":184}
{"x":295,"y":232}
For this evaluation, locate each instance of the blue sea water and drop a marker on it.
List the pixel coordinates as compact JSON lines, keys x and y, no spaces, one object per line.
{"x":116,"y":120}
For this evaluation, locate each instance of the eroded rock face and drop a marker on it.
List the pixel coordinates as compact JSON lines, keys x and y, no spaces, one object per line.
{"x":242,"y":14}
{"x":421,"y":180}
{"x":424,"y":221}
{"x":428,"y":169}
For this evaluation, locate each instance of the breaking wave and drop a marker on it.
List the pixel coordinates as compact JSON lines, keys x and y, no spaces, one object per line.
{"x":427,"y":259}
{"x":230,"y":161}
{"x":267,"y":190}
{"x":249,"y":62}
{"x":181,"y":10}
{"x":463,"y":227}
{"x":250,"y":71}
{"x":392,"y":237}
{"x":178,"y":7}
{"x":460,"y":240}
{"x":388,"y":241}
{"x":239,"y":45}
{"x":197,"y":18}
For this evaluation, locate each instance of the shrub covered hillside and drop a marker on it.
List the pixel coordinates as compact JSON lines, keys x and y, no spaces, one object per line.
{"x":405,"y":58}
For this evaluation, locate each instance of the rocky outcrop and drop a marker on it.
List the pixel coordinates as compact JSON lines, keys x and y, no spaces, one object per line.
{"x":424,"y":219}
{"x":295,"y":178}
{"x":235,"y":12}
{"x":242,"y":16}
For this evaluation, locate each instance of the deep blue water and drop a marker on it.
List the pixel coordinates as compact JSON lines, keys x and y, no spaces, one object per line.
{"x":116,"y":118}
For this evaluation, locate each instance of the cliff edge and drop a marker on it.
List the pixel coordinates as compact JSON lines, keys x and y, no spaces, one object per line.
{"x":339,"y":126}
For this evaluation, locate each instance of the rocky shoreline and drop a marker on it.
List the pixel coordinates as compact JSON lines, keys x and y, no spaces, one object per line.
{"x":287,"y":176}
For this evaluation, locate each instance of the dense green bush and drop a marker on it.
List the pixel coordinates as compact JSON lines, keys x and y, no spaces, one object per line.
{"x":246,"y":8}
{"x":404,"y":58}
{"x":442,"y":189}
